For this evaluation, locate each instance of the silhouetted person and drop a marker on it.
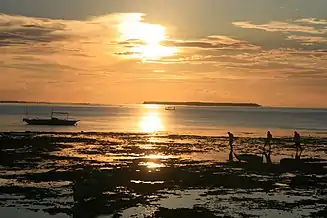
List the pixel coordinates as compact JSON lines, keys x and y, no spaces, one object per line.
{"x":268,"y":143}
{"x":269,"y":138}
{"x":297,"y":141}
{"x":231,"y":140}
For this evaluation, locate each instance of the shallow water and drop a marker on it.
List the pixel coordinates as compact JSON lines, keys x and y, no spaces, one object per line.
{"x":209,"y":121}
{"x":139,"y":175}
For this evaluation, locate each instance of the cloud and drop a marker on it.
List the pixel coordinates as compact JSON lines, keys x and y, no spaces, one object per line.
{"x":213,"y":42}
{"x":277,"y":26}
{"x":28,"y":35}
{"x":17,"y":30}
{"x":45,"y":56}
{"x":189,"y":51}
{"x":312,"y":21}
{"x":308,"y":40}
{"x":290,"y":60}
{"x":57,"y":52}
{"x":127,"y":53}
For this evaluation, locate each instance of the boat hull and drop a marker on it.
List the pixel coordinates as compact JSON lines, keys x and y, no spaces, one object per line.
{"x":249,"y":158}
{"x":51,"y":122}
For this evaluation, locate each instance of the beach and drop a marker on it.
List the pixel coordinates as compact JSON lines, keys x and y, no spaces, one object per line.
{"x":85,"y":174}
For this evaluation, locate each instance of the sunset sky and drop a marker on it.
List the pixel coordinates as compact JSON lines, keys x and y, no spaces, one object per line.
{"x":271,"y":52}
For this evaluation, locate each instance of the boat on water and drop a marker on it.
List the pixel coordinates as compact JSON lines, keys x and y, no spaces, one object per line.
{"x":53,"y":120}
{"x":170,"y":108}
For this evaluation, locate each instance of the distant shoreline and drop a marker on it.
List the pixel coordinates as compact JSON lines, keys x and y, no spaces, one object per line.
{"x":44,"y":102}
{"x":207,"y":104}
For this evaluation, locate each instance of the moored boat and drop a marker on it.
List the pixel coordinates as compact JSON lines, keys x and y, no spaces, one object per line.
{"x":170,"y":108}
{"x":52,"y":121}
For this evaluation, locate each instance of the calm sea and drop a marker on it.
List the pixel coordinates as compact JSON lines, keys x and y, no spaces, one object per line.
{"x":184,"y":120}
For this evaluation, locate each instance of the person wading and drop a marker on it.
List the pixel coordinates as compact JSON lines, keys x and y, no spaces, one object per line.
{"x":231,"y":140}
{"x":268,"y":143}
{"x":297,"y":141}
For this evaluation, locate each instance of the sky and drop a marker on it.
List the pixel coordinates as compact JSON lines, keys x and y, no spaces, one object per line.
{"x":270,"y":52}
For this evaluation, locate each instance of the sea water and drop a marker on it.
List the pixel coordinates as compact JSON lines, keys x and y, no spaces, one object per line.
{"x":211,"y":121}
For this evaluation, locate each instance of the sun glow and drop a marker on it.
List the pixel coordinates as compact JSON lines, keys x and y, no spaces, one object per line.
{"x":151,"y":123}
{"x":150,"y":106}
{"x":146,"y":37}
{"x":152,"y":165}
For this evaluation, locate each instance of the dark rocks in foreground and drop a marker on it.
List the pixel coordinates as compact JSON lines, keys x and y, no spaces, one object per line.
{"x":55,"y":172}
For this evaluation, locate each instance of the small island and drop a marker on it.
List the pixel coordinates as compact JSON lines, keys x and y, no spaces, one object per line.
{"x":204,"y":104}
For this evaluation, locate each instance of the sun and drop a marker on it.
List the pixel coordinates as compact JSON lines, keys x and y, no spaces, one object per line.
{"x":147,"y":37}
{"x":132,"y":28}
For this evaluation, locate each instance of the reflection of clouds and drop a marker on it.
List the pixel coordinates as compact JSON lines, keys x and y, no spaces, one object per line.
{"x":146,"y":146}
{"x":157,"y":156}
{"x":151,"y":122}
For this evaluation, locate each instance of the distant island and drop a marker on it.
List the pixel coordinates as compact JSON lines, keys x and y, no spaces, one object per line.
{"x":204,"y":104}
{"x":207,"y":104}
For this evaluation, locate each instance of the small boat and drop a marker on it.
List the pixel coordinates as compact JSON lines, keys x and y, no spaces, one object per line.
{"x":249,"y":158}
{"x":170,"y":108}
{"x":52,"y":121}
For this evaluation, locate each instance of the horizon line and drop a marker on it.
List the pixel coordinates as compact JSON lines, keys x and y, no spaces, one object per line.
{"x":88,"y":103}
{"x":104,"y":104}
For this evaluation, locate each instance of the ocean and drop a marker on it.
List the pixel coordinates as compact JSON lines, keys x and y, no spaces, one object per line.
{"x":204,"y":121}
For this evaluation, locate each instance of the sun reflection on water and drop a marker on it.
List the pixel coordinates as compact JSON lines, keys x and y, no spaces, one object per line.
{"x":157,"y":156}
{"x":151,"y":106}
{"x":154,"y":161}
{"x":152,"y":165}
{"x":151,"y":122}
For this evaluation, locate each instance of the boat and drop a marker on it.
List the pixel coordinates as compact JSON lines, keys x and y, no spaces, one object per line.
{"x":170,"y":108}
{"x":249,"y":158}
{"x":52,"y":121}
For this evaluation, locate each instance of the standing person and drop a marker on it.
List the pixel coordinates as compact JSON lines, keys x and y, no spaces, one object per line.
{"x":268,"y":142}
{"x":231,"y":140}
{"x":297,"y":141}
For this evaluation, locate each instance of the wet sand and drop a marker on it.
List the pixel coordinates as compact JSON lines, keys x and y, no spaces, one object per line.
{"x":139,"y":175}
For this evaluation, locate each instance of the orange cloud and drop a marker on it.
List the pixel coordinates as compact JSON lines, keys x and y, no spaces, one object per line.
{"x":277,"y":26}
{"x":90,"y":61}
